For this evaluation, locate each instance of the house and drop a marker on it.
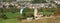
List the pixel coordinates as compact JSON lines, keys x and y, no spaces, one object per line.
{"x":1,"y":5}
{"x":23,"y":0}
{"x":48,"y":0}
{"x":1,"y":0}
{"x":56,"y":1}
{"x":40,"y":5}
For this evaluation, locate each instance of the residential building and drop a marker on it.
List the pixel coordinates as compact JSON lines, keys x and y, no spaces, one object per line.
{"x":24,"y":0}
{"x":1,"y":0}
{"x":42,"y":5}
{"x":56,"y":1}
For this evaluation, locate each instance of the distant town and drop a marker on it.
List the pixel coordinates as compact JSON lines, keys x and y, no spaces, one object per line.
{"x":29,"y":4}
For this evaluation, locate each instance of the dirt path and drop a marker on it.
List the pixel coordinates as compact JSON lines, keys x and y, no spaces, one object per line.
{"x":42,"y":20}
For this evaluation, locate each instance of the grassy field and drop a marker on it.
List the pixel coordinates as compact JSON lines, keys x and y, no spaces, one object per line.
{"x":8,"y":21}
{"x":12,"y":17}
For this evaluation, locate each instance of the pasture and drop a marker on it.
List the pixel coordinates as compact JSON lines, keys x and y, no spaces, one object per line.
{"x":12,"y":17}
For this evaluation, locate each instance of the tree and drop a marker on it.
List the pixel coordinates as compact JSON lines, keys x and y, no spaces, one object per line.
{"x":58,"y":6}
{"x":57,"y":12}
{"x":39,"y":1}
{"x":27,"y":12}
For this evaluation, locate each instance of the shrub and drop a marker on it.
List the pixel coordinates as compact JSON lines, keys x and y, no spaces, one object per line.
{"x":57,"y":12}
{"x":27,"y":13}
{"x":21,"y":18}
{"x":3,"y":16}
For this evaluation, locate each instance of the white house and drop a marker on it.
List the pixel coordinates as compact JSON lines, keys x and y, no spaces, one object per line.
{"x":1,"y":0}
{"x":23,"y":0}
{"x":58,"y":2}
{"x":40,"y":5}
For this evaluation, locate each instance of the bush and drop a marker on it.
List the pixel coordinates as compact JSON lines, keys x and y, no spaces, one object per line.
{"x":3,"y":16}
{"x":27,"y":12}
{"x":47,"y":9}
{"x":57,"y":12}
{"x":1,"y":10}
{"x":21,"y":18}
{"x":39,"y":1}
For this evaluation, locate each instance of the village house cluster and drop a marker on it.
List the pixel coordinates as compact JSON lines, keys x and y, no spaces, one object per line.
{"x":27,"y":3}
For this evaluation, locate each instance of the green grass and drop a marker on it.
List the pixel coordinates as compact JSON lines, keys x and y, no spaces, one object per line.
{"x":8,"y":21}
{"x":12,"y":15}
{"x":12,"y":18}
{"x":47,"y":13}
